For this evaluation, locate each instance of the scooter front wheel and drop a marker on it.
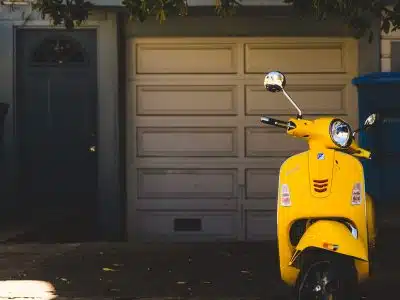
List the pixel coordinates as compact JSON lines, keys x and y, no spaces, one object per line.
{"x":326,"y":276}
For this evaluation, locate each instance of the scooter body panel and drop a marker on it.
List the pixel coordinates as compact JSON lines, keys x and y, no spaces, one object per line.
{"x":314,"y":185}
{"x":336,"y":237}
{"x":333,"y":236}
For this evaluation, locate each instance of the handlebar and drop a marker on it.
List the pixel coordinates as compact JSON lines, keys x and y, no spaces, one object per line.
{"x":276,"y":122}
{"x":303,"y":131}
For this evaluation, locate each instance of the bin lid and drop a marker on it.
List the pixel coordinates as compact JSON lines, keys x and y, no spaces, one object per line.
{"x":377,"y":78}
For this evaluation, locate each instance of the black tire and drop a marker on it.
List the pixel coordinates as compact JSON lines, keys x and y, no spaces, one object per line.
{"x":326,"y":276}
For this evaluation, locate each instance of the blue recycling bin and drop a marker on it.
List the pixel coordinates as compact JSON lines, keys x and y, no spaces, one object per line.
{"x":380,"y":93}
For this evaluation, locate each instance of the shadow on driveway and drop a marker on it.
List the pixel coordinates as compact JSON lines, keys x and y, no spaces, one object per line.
{"x":209,"y":271}
{"x":203,"y":270}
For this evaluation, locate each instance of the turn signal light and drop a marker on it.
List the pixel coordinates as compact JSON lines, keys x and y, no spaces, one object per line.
{"x":285,"y":195}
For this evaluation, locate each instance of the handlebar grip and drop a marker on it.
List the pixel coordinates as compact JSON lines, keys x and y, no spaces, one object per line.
{"x":274,"y":122}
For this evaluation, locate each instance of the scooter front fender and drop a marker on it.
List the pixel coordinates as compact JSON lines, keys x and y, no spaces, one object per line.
{"x":332,"y":236}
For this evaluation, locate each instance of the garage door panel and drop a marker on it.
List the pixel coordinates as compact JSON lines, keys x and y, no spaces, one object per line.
{"x":261,"y":225}
{"x":181,"y":100}
{"x":261,"y":183}
{"x":186,"y":142}
{"x":166,"y":204}
{"x":266,"y":141}
{"x":301,"y":78}
{"x":186,"y":58}
{"x":259,"y":205}
{"x":186,"y":121}
{"x":187,"y":225}
{"x":207,"y":162}
{"x":255,"y":122}
{"x":187,"y":183}
{"x":295,"y":57}
{"x":313,"y":100}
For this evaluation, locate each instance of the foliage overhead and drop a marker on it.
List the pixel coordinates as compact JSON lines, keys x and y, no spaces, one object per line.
{"x":359,"y":15}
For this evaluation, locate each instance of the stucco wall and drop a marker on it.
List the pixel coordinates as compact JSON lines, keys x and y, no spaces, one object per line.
{"x":254,"y":22}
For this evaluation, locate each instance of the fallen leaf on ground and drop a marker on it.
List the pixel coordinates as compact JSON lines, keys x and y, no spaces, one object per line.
{"x":207,"y":282}
{"x":245,"y":272}
{"x":108,"y":270}
{"x":63,"y":279}
{"x":181,"y":282}
{"x":117,"y":265}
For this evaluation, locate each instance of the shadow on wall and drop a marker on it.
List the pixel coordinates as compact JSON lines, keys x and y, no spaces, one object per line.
{"x":4,"y":107}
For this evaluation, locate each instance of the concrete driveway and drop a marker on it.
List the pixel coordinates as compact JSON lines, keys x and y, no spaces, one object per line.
{"x":202,"y":271}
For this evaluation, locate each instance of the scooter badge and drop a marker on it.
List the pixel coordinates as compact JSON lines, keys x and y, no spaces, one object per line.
{"x":320,"y":156}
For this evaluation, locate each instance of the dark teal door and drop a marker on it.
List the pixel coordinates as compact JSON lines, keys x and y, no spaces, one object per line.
{"x":56,"y":128}
{"x":389,"y":154}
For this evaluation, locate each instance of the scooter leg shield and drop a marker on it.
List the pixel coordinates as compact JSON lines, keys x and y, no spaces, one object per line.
{"x":335,"y":237}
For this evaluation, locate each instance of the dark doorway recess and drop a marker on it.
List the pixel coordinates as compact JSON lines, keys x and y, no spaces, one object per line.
{"x":56,"y":89}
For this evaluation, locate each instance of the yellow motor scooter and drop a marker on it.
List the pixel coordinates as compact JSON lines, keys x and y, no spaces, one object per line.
{"x":326,"y":224}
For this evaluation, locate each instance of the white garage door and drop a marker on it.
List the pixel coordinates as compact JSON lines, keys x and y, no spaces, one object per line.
{"x":200,"y":164}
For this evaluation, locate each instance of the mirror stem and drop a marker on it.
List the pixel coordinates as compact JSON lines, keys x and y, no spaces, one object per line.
{"x":300,"y":114}
{"x":358,"y":130}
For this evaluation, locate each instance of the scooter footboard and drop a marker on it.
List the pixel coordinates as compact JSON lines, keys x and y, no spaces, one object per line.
{"x":333,"y":236}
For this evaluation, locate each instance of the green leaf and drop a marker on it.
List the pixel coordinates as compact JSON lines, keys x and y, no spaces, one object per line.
{"x":359,"y":15}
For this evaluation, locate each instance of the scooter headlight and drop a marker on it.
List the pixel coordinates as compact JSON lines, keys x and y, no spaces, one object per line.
{"x":340,"y":133}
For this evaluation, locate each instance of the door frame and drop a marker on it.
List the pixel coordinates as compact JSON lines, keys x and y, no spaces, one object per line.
{"x":110,"y":208}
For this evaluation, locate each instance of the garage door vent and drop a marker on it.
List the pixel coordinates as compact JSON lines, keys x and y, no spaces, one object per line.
{"x":187,"y":224}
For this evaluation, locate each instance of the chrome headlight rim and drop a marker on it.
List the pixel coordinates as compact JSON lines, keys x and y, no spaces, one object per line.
{"x":348,"y":142}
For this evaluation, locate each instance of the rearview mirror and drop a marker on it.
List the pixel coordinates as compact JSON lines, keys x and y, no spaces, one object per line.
{"x":274,"y":82}
{"x":370,"y":121}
